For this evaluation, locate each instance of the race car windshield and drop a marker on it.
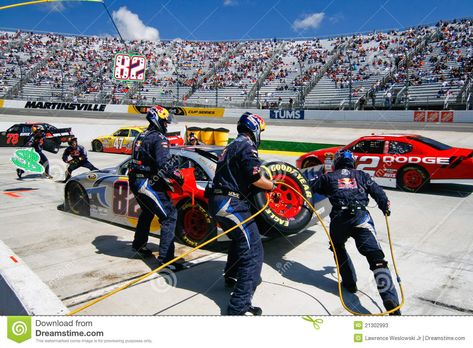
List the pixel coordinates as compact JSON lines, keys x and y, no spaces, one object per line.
{"x":433,"y":143}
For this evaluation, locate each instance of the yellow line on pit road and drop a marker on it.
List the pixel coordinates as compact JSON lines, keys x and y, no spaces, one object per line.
{"x":283,"y":153}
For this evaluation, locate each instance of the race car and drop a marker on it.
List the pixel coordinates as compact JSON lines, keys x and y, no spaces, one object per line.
{"x":105,"y":195}
{"x":121,"y":141}
{"x":407,"y":161}
{"x":18,"y":134}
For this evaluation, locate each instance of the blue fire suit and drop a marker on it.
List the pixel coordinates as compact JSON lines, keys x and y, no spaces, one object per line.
{"x":348,"y":190}
{"x":237,"y":169}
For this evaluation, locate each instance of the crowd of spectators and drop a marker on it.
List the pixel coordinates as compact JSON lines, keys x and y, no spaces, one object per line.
{"x":79,"y":67}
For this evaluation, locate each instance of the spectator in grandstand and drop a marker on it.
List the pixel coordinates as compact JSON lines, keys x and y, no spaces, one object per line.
{"x":388,"y":99}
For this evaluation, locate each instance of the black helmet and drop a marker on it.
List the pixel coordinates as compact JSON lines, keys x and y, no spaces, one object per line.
{"x":344,"y":159}
{"x":159,"y":118}
{"x":71,"y":140}
{"x":253,"y":124}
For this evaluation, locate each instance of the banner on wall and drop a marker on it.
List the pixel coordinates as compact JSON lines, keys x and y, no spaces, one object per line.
{"x":434,"y":116}
{"x":64,"y":106}
{"x":286,"y":114}
{"x":181,"y":111}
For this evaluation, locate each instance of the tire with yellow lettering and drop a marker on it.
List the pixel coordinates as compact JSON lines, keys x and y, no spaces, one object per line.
{"x":287,"y":213}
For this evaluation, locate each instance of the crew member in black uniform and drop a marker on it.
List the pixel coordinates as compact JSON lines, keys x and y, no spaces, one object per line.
{"x":36,"y":141}
{"x":238,"y":173}
{"x":78,"y":158}
{"x":151,"y":174}
{"x":348,"y":190}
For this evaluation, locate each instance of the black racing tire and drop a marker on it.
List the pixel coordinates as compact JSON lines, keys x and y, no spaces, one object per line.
{"x":97,"y":146}
{"x":194,"y":223}
{"x":412,"y":178}
{"x":77,"y":200}
{"x":287,"y":212}
{"x":310,"y":162}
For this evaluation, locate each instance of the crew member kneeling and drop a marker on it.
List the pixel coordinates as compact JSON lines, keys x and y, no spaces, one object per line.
{"x":347,"y":190}
{"x":78,"y":158}
{"x":238,"y":172}
{"x":151,"y":174}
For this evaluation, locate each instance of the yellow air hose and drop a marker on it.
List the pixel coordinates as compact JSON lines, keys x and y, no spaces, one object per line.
{"x":398,"y":278}
{"x":123,"y":287}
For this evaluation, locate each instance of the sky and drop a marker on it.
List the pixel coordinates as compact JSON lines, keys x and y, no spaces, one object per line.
{"x":230,"y":19}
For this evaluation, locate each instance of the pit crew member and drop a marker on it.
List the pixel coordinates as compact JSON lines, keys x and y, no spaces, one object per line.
{"x":347,"y":190}
{"x":152,"y":173}
{"x":78,"y":158}
{"x":238,"y":173}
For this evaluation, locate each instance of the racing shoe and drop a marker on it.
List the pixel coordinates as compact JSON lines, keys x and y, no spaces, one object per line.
{"x":389,"y":304}
{"x":143,"y":252}
{"x":350,"y":287}
{"x":19,"y":172}
{"x":47,"y":176}
{"x":175,"y":266}
{"x":253,"y":311}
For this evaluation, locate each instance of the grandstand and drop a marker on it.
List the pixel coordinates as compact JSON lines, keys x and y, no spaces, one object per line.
{"x":422,"y":67}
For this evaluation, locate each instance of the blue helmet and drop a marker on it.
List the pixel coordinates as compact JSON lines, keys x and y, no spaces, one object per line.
{"x":344,"y":159}
{"x":253,"y":124}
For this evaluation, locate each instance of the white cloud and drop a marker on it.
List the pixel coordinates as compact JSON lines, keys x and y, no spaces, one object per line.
{"x":132,"y":27}
{"x":229,"y":2}
{"x":310,"y":21}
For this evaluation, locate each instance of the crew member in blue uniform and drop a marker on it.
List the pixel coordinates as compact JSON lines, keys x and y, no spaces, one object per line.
{"x":237,"y":175}
{"x":78,"y":158}
{"x":348,"y":190}
{"x":151,"y":174}
{"x":36,"y":141}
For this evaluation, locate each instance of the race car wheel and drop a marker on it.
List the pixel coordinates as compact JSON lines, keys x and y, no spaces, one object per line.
{"x":412,"y":178}
{"x":310,"y":162}
{"x":77,"y":200}
{"x":287,"y":213}
{"x":194,"y":224}
{"x":97,"y":146}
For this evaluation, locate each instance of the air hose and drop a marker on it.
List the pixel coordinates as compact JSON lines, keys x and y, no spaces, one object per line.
{"x":123,"y":287}
{"x":398,"y":278}
{"x":156,"y":270}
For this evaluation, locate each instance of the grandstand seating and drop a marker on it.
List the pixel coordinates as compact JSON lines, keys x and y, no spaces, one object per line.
{"x":275,"y":73}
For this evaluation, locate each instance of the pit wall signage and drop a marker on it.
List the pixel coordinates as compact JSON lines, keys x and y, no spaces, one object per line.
{"x":64,"y":106}
{"x":181,"y":111}
{"x":286,"y":114}
{"x":434,"y":116}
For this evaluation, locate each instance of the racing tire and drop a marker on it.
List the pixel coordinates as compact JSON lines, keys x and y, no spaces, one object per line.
{"x":97,"y":146}
{"x":412,"y":178}
{"x":287,"y":213}
{"x":77,"y":200}
{"x":194,"y":224}
{"x":310,"y":162}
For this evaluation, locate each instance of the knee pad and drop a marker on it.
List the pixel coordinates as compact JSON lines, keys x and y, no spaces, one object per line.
{"x":376,"y":260}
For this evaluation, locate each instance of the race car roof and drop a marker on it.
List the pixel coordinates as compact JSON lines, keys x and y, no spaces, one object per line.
{"x":398,"y":135}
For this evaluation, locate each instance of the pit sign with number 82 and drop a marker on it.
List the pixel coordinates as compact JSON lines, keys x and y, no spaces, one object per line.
{"x":129,"y":67}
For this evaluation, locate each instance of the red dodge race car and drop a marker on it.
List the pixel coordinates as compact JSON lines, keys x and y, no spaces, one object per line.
{"x":402,"y":160}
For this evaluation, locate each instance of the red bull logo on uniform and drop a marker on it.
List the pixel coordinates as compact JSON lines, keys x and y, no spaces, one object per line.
{"x":347,"y":183}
